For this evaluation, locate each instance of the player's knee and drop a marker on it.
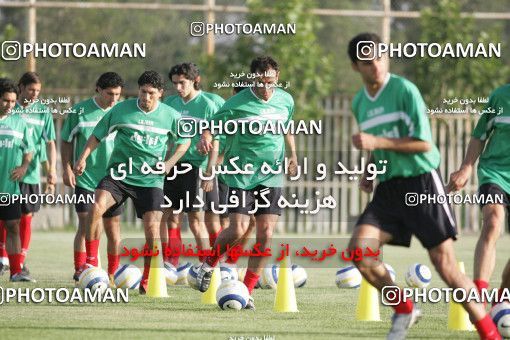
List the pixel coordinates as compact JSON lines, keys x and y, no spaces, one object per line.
{"x":445,"y":266}
{"x":98,"y":209}
{"x":492,"y":225}
{"x":264,"y":235}
{"x":12,"y":228}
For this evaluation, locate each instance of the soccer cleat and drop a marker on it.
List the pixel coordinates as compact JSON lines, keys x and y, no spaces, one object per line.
{"x":142,"y":289}
{"x":204,"y":277}
{"x":77,"y":273}
{"x":25,"y":270}
{"x":400,"y":323}
{"x":3,"y":268}
{"x":251,"y":304}
{"x":20,"y":277}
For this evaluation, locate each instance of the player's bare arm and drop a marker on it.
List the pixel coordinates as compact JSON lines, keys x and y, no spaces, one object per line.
{"x":459,"y":178}
{"x":66,"y":153}
{"x":291,"y":144}
{"x":180,"y":150}
{"x":92,"y":144}
{"x":366,"y":141}
{"x":207,"y":186}
{"x":205,"y":144}
{"x":365,"y":185}
{"x":19,"y":172}
{"x":52,"y":160}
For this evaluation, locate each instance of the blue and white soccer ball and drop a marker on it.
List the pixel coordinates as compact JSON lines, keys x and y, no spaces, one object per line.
{"x":348,"y":277}
{"x":299,"y":275}
{"x":232,"y":294}
{"x":418,"y":276}
{"x":182,"y":273}
{"x":392,"y":272}
{"x":500,"y":314}
{"x":170,"y":273}
{"x":269,"y":277}
{"x":127,"y":276}
{"x":192,"y":276}
{"x":228,"y":272}
{"x":94,"y":278}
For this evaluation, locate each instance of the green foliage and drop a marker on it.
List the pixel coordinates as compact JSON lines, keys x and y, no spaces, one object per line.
{"x":450,"y":77}
{"x":303,"y":62}
{"x":8,"y":33}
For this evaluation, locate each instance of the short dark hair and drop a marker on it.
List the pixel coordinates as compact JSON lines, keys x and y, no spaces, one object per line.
{"x":238,"y":87}
{"x":353,"y":44}
{"x":6,"y":86}
{"x":190,"y":71}
{"x":29,"y":78}
{"x":152,"y":78}
{"x":263,"y":63}
{"x":109,"y":79}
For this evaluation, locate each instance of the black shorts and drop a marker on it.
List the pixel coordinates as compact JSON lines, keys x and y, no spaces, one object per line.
{"x":223,"y":196}
{"x":392,"y":210}
{"x":188,"y":184}
{"x":494,"y":190}
{"x":27,"y":190}
{"x":144,"y":199}
{"x":82,"y":207}
{"x":247,"y":203}
{"x":491,"y":189}
{"x":9,"y":210}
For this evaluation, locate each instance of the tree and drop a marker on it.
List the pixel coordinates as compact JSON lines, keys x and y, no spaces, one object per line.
{"x":303,"y":62}
{"x":449,"y":77}
{"x":8,"y":33}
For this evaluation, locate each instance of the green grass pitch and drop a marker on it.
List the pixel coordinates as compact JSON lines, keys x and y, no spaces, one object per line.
{"x":325,"y":312}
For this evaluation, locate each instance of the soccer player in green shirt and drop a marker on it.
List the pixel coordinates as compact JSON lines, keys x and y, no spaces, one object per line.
{"x":77,"y":128}
{"x":40,"y":122}
{"x":391,"y":115}
{"x":264,"y":102}
{"x":489,"y":143}
{"x":16,"y":151}
{"x":143,"y":126}
{"x":216,"y":157}
{"x":193,"y":104}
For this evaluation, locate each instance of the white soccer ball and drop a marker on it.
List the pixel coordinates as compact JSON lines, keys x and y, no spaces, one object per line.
{"x":392,"y":272}
{"x":228,"y":272}
{"x":269,"y":277}
{"x":127,"y":276}
{"x":94,"y":278}
{"x":192,"y":276}
{"x":418,"y":276}
{"x":182,"y":273}
{"x":170,"y":273}
{"x":232,"y":294}
{"x":348,"y":277}
{"x":299,"y":275}
{"x":500,"y":314}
